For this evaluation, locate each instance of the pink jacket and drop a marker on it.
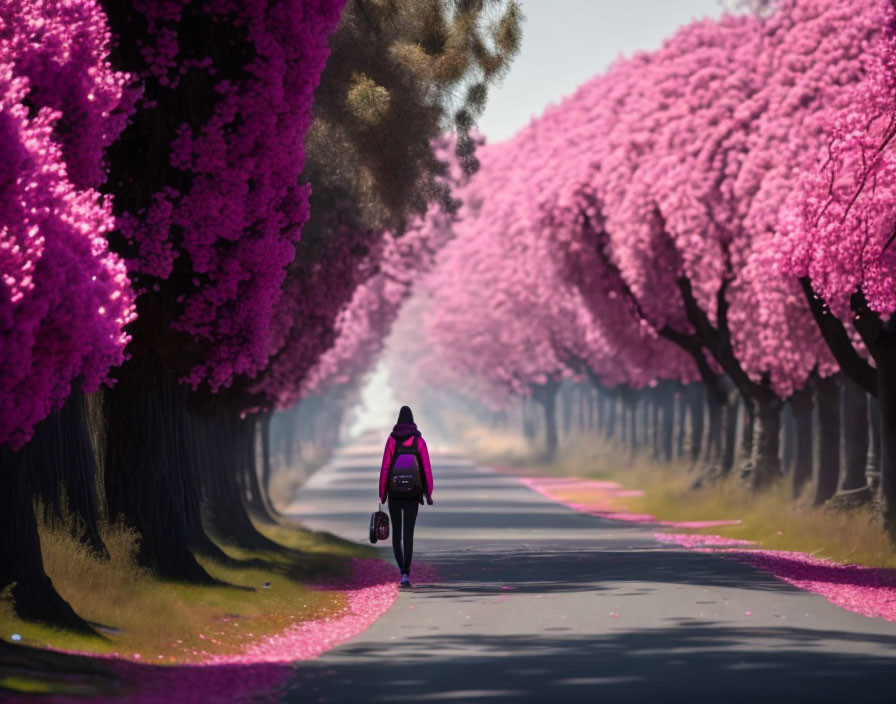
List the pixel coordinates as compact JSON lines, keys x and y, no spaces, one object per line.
{"x":387,"y":463}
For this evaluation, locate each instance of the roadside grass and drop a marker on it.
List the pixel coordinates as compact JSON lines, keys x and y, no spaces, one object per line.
{"x":142,"y":617}
{"x":771,"y":518}
{"x":491,"y":446}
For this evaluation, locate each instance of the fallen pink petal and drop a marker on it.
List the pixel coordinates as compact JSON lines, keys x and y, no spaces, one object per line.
{"x":692,"y":541}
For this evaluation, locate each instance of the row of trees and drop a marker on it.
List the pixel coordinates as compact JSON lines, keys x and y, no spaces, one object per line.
{"x":716,"y":214}
{"x":169,"y":279}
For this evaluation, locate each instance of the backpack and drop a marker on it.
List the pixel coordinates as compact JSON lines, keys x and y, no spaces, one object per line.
{"x":405,"y":481}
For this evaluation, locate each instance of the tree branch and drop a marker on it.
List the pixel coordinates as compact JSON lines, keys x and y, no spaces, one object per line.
{"x":718,"y":343}
{"x":868,"y":322}
{"x":852,"y":364}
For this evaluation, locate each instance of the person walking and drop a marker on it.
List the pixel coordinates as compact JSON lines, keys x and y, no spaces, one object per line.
{"x":405,"y":478}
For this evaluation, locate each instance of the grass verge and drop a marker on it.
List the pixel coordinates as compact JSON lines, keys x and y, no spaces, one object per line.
{"x":142,"y":617}
{"x":771,"y":518}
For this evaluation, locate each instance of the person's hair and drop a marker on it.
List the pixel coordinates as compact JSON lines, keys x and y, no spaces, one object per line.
{"x":405,"y":415}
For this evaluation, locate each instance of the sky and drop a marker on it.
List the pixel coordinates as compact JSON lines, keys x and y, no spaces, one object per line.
{"x":566,"y":42}
{"x":378,"y":408}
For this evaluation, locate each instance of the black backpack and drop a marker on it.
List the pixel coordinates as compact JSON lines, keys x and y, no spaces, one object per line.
{"x":405,"y":481}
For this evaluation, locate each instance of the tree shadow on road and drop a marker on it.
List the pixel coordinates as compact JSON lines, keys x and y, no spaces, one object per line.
{"x":692,"y":661}
{"x":533,"y":569}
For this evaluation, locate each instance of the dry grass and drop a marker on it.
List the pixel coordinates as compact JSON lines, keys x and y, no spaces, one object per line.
{"x":491,"y":446}
{"x":171,"y":622}
{"x":771,"y":518}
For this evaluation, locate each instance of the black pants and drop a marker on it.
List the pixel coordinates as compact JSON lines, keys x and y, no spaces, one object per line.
{"x":403,"y":513}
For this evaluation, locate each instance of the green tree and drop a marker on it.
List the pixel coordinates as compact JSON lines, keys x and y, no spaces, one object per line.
{"x":400,"y":74}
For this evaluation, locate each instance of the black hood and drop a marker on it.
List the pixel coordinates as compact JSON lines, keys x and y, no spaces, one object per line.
{"x":402,"y":431}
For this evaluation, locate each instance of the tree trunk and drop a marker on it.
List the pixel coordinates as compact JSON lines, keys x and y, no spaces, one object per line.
{"x":787,"y":439}
{"x":872,"y":466}
{"x":712,"y":452}
{"x":694,"y":396}
{"x":765,"y":463}
{"x":150,"y":477}
{"x":581,"y":394}
{"x":644,"y":416}
{"x":854,"y":424}
{"x":224,"y":439}
{"x":546,"y":395}
{"x":566,"y":408}
{"x":801,"y":408}
{"x":746,"y":415}
{"x":826,"y":439}
{"x":289,"y":436}
{"x":729,"y":432}
{"x":256,"y":498}
{"x":528,"y":423}
{"x":21,"y":564}
{"x":63,"y":472}
{"x":838,"y":340}
{"x":266,"y":469}
{"x":718,"y":449}
{"x":622,"y":419}
{"x":630,"y":421}
{"x":680,"y":414}
{"x":885,"y":357}
{"x":666,"y":425}
{"x":612,"y":415}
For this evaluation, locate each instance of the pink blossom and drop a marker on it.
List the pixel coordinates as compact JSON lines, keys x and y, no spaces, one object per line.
{"x":601,"y":498}
{"x":689,"y":540}
{"x":837,"y":226}
{"x":370,"y":591}
{"x":64,"y":298}
{"x":216,"y":237}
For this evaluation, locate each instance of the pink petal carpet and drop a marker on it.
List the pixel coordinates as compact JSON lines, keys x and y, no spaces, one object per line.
{"x":868,"y":591}
{"x":258,"y":673}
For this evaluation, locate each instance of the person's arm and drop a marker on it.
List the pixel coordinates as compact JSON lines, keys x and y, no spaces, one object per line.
{"x":427,"y":468}
{"x":384,"y":470}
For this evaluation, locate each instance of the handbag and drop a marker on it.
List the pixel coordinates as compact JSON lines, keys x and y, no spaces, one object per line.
{"x":379,"y":525}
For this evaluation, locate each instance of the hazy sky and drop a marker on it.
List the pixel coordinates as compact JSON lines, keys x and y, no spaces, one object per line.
{"x":566,"y":42}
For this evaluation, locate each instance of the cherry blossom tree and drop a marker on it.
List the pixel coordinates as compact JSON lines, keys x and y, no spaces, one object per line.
{"x":57,"y":271}
{"x":688,"y":169}
{"x":836,"y":234}
{"x":639,"y":311}
{"x":210,"y":204}
{"x":332,"y":260}
{"x":64,"y":298}
{"x":213,"y":194}
{"x":660,"y":184}
{"x":500,"y":311}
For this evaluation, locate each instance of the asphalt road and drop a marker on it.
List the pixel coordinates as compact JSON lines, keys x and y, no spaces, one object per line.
{"x":538,"y":603}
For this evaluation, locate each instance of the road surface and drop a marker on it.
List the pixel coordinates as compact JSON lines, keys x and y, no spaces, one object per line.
{"x":538,"y":603}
